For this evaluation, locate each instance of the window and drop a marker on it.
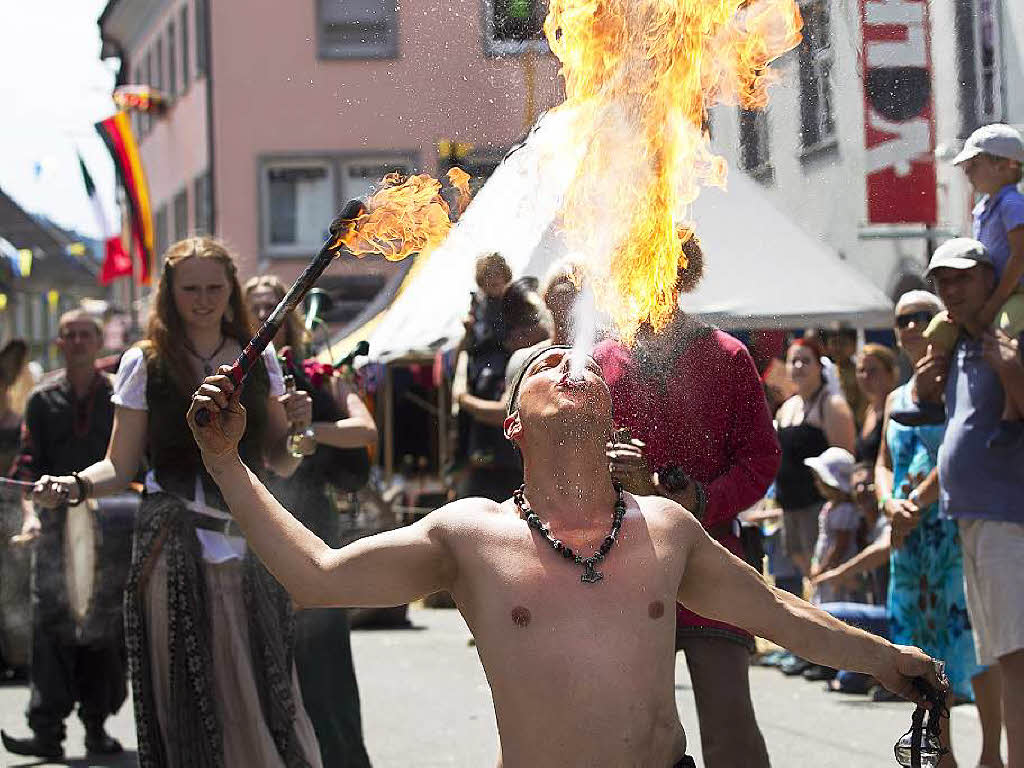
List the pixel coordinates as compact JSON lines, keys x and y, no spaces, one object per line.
{"x":754,"y":152}
{"x":514,"y":26}
{"x":158,"y":69}
{"x":172,"y":59}
{"x":186,"y":52}
{"x":160,"y":242}
{"x":147,"y":72}
{"x":301,"y":196}
{"x":357,"y":29}
{"x":201,"y":204}
{"x":299,"y":200}
{"x":817,"y":122}
{"x":181,"y":215}
{"x":201,"y":32}
{"x":989,"y":62}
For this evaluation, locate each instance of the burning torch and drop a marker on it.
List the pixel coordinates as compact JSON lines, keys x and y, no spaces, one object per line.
{"x":341,"y":226}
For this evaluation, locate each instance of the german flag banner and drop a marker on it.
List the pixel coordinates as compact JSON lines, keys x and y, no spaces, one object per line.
{"x":116,"y":133}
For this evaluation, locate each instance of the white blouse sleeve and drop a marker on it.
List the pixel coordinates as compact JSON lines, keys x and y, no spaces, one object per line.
{"x":273,"y":371}
{"x":130,"y":382}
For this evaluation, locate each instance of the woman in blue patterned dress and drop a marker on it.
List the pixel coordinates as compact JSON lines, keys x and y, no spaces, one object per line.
{"x":927,"y":607}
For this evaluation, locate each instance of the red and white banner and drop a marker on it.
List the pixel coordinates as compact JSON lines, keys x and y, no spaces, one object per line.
{"x":899,"y":121}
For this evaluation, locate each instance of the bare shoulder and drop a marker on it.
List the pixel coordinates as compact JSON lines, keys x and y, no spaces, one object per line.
{"x":470,"y":516}
{"x":665,"y":518}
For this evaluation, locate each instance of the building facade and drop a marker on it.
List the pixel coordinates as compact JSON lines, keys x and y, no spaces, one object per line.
{"x":870,"y":108}
{"x":279,"y":112}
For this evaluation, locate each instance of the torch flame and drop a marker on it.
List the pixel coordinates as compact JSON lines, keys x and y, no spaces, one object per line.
{"x":460,"y":180}
{"x":405,"y":215}
{"x":640,"y":76}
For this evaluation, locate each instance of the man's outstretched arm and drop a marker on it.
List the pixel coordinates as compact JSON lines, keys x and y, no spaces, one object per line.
{"x":387,"y":569}
{"x":719,"y":585}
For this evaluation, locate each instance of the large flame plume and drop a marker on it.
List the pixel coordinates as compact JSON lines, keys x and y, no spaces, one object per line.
{"x":640,"y":76}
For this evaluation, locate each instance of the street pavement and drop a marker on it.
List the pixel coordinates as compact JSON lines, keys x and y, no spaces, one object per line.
{"x":426,"y":703}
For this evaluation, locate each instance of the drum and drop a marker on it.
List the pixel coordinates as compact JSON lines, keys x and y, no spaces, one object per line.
{"x":15,"y":590}
{"x":97,"y":556}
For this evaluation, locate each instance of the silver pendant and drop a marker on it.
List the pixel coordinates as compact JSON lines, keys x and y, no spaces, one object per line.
{"x":590,"y":574}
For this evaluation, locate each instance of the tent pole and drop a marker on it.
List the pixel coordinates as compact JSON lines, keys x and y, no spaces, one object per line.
{"x":389,"y":422}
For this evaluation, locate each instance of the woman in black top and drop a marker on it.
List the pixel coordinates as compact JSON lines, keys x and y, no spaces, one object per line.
{"x":809,"y":422}
{"x":876,"y":377}
{"x":323,"y":654}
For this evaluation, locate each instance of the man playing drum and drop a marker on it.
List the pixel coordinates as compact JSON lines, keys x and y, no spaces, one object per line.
{"x":568,"y":587}
{"x":67,"y":426}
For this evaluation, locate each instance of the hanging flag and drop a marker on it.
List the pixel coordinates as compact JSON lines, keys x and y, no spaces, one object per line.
{"x":116,"y":263}
{"x":117,"y":134}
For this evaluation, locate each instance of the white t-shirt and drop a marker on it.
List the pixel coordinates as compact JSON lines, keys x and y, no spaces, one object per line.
{"x":130,"y":392}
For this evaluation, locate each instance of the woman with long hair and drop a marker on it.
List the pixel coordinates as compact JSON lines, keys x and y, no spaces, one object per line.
{"x":877,"y":374}
{"x":323,"y":655}
{"x":208,"y":629}
{"x":927,"y":605}
{"x":808,"y":422}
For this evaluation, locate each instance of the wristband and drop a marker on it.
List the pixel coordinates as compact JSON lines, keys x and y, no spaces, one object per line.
{"x":84,"y":487}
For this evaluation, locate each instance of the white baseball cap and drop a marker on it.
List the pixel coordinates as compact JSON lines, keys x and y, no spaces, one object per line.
{"x":995,"y":139}
{"x":834,"y":468}
{"x":959,"y":253}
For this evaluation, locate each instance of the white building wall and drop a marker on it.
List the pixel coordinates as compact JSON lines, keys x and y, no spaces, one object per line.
{"x":825,"y":191}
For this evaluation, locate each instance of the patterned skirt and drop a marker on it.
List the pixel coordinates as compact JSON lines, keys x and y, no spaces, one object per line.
{"x":210,"y":654}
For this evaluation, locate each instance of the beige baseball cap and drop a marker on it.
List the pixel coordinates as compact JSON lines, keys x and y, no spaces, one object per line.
{"x":995,"y":139}
{"x":959,"y":253}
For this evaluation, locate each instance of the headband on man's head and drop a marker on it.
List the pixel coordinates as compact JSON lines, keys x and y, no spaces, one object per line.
{"x":513,"y":393}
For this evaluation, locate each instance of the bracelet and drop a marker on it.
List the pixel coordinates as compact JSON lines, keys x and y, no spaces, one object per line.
{"x":84,"y":487}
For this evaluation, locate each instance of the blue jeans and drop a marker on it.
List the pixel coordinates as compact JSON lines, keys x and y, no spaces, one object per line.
{"x":870,"y":618}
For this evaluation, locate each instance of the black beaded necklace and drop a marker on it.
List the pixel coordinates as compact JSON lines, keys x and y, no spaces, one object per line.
{"x":590,"y":573}
{"x":206,"y":361}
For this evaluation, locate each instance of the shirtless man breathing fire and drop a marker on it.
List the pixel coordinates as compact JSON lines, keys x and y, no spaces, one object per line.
{"x":569,"y":588}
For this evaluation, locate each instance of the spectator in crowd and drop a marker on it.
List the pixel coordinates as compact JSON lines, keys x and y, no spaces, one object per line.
{"x":15,"y":626}
{"x":205,"y":624}
{"x":841,"y":347}
{"x":67,"y":426}
{"x":323,"y":652}
{"x":486,"y":357}
{"x":494,"y":470}
{"x":808,"y":422}
{"x":876,"y":377}
{"x":838,"y":519}
{"x":992,"y":160}
{"x":701,"y":436}
{"x":982,"y":490}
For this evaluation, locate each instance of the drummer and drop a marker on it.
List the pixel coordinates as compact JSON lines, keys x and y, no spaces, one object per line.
{"x":66,"y":428}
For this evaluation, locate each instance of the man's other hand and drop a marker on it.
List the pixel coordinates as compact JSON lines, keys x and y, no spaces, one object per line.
{"x":628,"y":465}
{"x":931,"y":372}
{"x":902,"y":665}
{"x":30,"y":529}
{"x":1001,"y":351}
{"x":219,"y":438}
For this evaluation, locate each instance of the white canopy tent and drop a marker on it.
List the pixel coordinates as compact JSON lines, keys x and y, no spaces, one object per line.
{"x":762,"y":270}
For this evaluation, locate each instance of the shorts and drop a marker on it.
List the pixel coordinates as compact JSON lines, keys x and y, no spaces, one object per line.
{"x":943,"y":332}
{"x":993,"y":553}
{"x":800,"y":530}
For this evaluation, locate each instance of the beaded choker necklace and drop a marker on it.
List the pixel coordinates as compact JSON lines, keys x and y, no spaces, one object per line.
{"x":590,"y":573}
{"x":207,"y":361}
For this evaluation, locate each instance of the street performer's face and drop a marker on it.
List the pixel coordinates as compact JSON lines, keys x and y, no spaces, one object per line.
{"x":562,"y":393}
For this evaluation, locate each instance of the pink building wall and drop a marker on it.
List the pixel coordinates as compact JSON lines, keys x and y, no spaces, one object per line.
{"x":274,"y":96}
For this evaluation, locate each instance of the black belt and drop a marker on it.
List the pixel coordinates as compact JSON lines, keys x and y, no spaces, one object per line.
{"x":227,"y":526}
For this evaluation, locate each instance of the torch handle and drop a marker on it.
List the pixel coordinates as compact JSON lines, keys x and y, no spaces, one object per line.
{"x":244,"y":362}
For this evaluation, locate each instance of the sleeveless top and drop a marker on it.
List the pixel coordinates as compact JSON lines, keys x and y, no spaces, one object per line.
{"x":794,"y":484}
{"x":172,"y":451}
{"x":867,"y":448}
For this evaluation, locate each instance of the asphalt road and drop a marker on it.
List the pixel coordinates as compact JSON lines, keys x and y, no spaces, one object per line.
{"x":426,"y":703}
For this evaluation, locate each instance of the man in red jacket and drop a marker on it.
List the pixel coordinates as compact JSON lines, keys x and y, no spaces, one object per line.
{"x":702,"y":436}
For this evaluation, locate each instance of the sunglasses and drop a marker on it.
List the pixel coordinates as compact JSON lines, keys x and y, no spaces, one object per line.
{"x":922,"y":317}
